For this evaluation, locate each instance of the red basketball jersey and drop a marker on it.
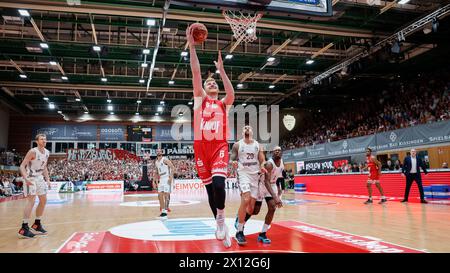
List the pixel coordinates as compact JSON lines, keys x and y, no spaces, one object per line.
{"x":210,"y":121}
{"x":373,"y":167}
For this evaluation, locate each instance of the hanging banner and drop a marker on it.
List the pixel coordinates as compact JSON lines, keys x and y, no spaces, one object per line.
{"x":317,"y":150}
{"x":112,"y":133}
{"x":438,"y":132}
{"x":100,"y":154}
{"x":66,"y":131}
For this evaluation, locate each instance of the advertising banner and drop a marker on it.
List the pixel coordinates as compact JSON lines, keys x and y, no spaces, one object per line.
{"x":112,"y":132}
{"x":325,"y":165}
{"x":437,"y":132}
{"x":66,"y":132}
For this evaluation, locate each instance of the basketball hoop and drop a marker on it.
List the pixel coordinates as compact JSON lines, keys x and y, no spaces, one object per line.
{"x":243,"y":24}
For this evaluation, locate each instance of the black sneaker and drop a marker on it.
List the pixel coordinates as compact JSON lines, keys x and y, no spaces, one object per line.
{"x":163,"y":216}
{"x":382,"y":201}
{"x":369,"y":201}
{"x":38,"y":229}
{"x":424,"y":201}
{"x":404,"y":201}
{"x":240,"y":238}
{"x":25,"y":233}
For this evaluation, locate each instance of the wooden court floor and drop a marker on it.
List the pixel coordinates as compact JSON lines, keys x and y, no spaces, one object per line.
{"x":420,"y":226}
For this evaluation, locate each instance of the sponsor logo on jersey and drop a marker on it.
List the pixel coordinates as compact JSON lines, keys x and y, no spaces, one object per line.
{"x":199,"y":162}
{"x":209,"y":125}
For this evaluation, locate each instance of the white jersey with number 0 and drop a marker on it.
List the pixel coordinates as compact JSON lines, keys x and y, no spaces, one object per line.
{"x":36,"y":166}
{"x":163,"y":169}
{"x":277,"y":171}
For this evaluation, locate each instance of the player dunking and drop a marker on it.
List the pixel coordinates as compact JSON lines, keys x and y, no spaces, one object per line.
{"x":164,"y":178}
{"x":374,"y":167}
{"x":35,"y":174}
{"x":269,"y":191}
{"x":248,"y":158}
{"x":210,"y":136}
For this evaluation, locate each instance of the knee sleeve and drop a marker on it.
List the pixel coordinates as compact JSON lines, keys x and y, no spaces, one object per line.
{"x":218,"y":183}
{"x":212,"y":204}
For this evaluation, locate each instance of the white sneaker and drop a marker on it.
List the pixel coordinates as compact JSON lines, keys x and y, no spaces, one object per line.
{"x":220,"y":232}
{"x":227,"y":239}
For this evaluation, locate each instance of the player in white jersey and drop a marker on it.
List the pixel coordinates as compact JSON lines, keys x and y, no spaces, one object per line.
{"x":247,"y":157}
{"x":35,"y":174}
{"x":280,"y":179}
{"x":164,"y":170}
{"x":269,"y":190}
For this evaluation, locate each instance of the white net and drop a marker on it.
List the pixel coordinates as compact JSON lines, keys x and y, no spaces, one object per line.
{"x":242,"y":24}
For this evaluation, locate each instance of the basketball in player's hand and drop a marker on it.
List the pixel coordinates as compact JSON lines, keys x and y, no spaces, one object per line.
{"x":199,"y":32}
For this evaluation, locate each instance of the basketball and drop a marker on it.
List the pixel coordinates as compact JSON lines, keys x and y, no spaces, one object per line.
{"x":199,"y":32}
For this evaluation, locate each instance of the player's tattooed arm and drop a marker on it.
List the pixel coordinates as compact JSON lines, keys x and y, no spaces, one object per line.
{"x":234,"y":155}
{"x":23,"y":171}
{"x":171,"y":170}
{"x":46,"y":175}
{"x":262,"y":159}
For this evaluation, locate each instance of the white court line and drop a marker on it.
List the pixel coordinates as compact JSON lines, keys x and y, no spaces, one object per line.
{"x":358,"y":235}
{"x":65,"y":242}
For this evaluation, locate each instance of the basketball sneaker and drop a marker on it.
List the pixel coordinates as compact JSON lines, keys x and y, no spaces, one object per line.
{"x":240,"y":238}
{"x":220,"y":232}
{"x":369,"y":201}
{"x":263,"y":238}
{"x":227,"y":238}
{"x":382,"y":201}
{"x":25,"y":233}
{"x":163,"y":216}
{"x":38,"y":229}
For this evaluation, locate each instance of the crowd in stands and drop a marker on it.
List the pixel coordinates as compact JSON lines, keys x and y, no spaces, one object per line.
{"x":402,"y":104}
{"x":10,"y":184}
{"x":92,"y":170}
{"x":10,"y":158}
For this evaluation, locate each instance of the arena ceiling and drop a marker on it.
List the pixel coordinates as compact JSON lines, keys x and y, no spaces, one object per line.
{"x":69,"y":72}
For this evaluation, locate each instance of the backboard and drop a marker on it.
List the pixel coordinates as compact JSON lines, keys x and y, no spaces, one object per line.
{"x":284,"y":8}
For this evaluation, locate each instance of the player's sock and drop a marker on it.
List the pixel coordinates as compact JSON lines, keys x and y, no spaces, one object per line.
{"x":265,"y":228}
{"x":220,"y":219}
{"x":383,"y":197}
{"x":240,"y":227}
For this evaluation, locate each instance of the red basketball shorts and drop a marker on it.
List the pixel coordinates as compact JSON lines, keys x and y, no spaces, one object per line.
{"x":211,"y":159}
{"x":373,"y":177}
